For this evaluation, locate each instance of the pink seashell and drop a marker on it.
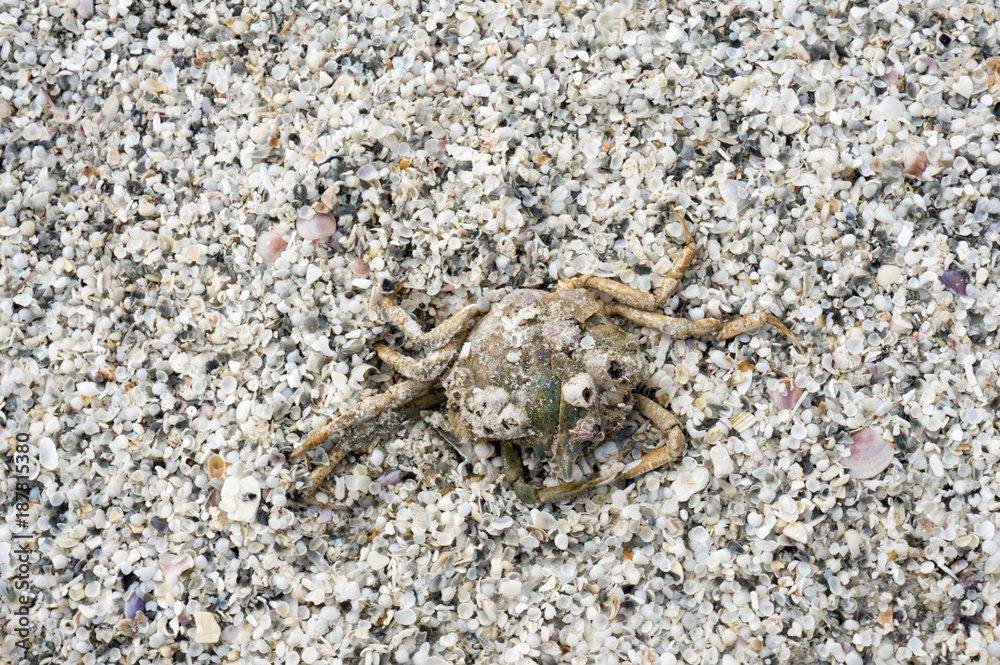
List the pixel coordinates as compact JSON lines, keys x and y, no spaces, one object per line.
{"x":391,"y":478}
{"x":317,"y":227}
{"x":359,"y":267}
{"x":824,"y":214}
{"x":173,"y":564}
{"x":270,"y":246}
{"x":870,"y":454}
{"x":787,"y":394}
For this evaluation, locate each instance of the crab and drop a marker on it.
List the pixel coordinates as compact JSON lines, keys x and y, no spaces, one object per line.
{"x":549,"y":372}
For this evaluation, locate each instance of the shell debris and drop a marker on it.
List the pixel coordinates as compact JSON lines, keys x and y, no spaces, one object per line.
{"x":197,"y":207}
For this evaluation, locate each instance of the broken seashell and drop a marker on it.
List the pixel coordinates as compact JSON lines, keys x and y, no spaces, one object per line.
{"x":691,"y":481}
{"x":742,"y":421}
{"x":240,"y":498}
{"x":798,"y":532}
{"x":134,"y":604}
{"x":787,"y":395}
{"x":174,"y":564}
{"x":914,"y":161}
{"x":870,"y":454}
{"x":955,"y":281}
{"x":207,"y":629}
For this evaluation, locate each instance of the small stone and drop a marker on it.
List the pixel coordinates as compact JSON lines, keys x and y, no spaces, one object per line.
{"x":27,"y":228}
{"x":207,"y":629}
{"x":888,"y":275}
{"x":146,"y":209}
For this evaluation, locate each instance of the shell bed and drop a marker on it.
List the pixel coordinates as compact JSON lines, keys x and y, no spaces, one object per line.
{"x":199,"y":200}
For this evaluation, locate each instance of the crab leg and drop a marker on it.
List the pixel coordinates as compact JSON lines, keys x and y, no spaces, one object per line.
{"x":528,"y":493}
{"x":682,"y":328}
{"x":432,"y":339}
{"x":367,"y":410}
{"x":634,"y":297}
{"x":372,"y":417}
{"x":427,"y":368}
{"x":673,"y":439}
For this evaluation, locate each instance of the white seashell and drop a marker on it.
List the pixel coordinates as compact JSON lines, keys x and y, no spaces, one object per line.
{"x":207,"y":629}
{"x":869,"y":455}
{"x":992,"y":564}
{"x":500,"y":525}
{"x":48,"y":456}
{"x":239,"y":498}
{"x":377,"y":560}
{"x":317,"y":227}
{"x":722,"y":463}
{"x":85,"y":9}
{"x":798,"y":532}
{"x":691,"y":481}
{"x":543,"y":520}
{"x":743,"y":421}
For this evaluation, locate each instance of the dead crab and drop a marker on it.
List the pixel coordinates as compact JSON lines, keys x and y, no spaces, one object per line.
{"x":547,"y":371}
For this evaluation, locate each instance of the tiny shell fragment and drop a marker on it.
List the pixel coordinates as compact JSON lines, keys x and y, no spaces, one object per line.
{"x":797,"y":531}
{"x":743,"y":421}
{"x":207,"y":629}
{"x":175,"y":564}
{"x":870,"y":454}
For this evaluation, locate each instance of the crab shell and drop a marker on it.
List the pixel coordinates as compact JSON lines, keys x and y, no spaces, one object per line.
{"x":548,"y":371}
